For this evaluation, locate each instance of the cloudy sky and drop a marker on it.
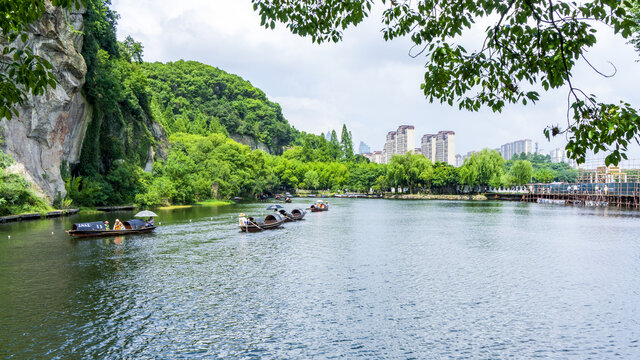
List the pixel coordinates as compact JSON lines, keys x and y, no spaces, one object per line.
{"x":371,"y":85}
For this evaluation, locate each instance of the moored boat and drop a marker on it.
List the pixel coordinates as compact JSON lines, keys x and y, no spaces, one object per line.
{"x":294,"y":215}
{"x":97,"y":228}
{"x":320,"y":206}
{"x":252,"y":224}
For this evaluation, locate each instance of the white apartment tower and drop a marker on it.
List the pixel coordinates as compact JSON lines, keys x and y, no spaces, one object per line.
{"x":446,"y":147}
{"x":405,"y":139}
{"x":389,"y":147}
{"x":429,"y":146}
{"x":516,"y":148}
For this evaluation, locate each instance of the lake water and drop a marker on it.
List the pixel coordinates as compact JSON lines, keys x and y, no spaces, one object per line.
{"x":367,"y":279}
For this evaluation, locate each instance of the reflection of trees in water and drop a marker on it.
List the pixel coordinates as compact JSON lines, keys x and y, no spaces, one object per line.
{"x":481,"y":206}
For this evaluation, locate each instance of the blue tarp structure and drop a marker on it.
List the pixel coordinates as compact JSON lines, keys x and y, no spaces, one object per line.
{"x":96,"y":226}
{"x":134,"y":224}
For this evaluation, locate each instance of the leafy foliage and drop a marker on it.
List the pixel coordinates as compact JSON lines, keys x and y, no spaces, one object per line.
{"x":16,"y":196}
{"x":483,"y":168}
{"x":200,"y":99}
{"x":411,"y":171}
{"x":21,"y":70}
{"x":530,"y":43}
{"x":522,"y":171}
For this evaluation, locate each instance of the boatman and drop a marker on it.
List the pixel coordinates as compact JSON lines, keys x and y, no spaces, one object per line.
{"x":106,"y":225}
{"x":242,"y":220}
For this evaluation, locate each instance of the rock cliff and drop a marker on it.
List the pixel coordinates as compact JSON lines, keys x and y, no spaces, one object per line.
{"x":50,"y":128}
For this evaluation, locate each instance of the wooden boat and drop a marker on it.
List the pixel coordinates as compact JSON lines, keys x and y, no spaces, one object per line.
{"x":97,"y":228}
{"x":294,"y":215}
{"x":298,"y":214}
{"x":252,"y":224}
{"x":319,"y":206}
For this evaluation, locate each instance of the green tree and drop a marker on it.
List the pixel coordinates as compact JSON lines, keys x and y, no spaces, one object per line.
{"x":336,"y":151}
{"x":445,"y":177}
{"x":528,"y":44}
{"x":634,"y":11}
{"x":544,"y":175}
{"x":132,"y":50}
{"x":410,"y":170}
{"x":522,"y":172}
{"x":21,"y":70}
{"x":346,"y":143}
{"x":312,"y":179}
{"x":483,"y":168}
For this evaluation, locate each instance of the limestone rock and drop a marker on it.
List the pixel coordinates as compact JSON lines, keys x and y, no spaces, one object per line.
{"x":251,"y":142}
{"x":50,"y":128}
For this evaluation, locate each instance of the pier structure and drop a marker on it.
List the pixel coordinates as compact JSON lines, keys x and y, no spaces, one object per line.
{"x":596,"y":185}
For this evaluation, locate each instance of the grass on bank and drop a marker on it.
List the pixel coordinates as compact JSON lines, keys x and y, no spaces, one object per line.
{"x":208,"y":203}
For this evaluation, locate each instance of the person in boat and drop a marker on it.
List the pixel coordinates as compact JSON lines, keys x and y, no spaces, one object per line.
{"x":106,"y":225}
{"x":242,"y":220}
{"x":118,"y":225}
{"x":150,"y":222}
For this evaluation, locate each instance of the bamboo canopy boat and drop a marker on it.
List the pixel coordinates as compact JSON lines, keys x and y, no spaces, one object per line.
{"x":294,"y":215}
{"x":97,"y":228}
{"x":319,"y":206}
{"x":252,"y":224}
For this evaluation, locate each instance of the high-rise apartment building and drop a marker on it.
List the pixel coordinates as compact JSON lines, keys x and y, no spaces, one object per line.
{"x":516,"y":148}
{"x":389,"y":147}
{"x":440,"y":147}
{"x":405,"y":139}
{"x":428,"y":145}
{"x":446,"y":147}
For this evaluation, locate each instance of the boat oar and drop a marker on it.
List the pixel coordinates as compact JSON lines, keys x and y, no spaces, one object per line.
{"x":256,"y":225}
{"x":288,"y":217}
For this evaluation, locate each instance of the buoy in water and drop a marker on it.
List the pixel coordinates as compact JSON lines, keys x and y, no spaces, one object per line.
{"x":9,"y":236}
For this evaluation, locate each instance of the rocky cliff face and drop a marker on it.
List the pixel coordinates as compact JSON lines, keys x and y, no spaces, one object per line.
{"x":250,"y":142}
{"x":50,"y":128}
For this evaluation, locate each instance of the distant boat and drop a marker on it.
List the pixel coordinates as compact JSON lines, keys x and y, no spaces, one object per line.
{"x":97,"y":228}
{"x":252,"y":224}
{"x":294,"y":215}
{"x":319,"y":206}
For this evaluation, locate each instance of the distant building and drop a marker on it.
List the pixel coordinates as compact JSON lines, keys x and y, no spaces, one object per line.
{"x":364,"y":148}
{"x":459,"y":160}
{"x":518,"y":147}
{"x":440,"y":147}
{"x":417,"y":151}
{"x":368,"y":156}
{"x":560,"y":155}
{"x":428,"y":145}
{"x":446,"y":147}
{"x":328,"y":136}
{"x":389,"y":147}
{"x":377,"y":157}
{"x":405,"y":139}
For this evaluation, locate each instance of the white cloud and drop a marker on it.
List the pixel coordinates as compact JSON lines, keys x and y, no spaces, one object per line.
{"x":365,"y":82}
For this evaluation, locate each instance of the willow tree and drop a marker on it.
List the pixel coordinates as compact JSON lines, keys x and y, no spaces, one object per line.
{"x":483,"y":168}
{"x":529,"y":44}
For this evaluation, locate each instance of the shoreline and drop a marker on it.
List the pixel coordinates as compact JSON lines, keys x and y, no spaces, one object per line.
{"x":100,"y":210}
{"x":476,"y":197}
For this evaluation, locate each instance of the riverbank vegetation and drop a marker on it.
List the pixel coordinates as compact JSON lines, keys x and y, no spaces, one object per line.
{"x":16,"y":194}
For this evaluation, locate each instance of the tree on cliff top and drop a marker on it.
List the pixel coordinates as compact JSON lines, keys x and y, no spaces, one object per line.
{"x":21,"y":71}
{"x":529,"y":44}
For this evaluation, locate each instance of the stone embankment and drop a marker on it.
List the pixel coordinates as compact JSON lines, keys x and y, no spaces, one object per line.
{"x":34,"y":216}
{"x":478,"y":197}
